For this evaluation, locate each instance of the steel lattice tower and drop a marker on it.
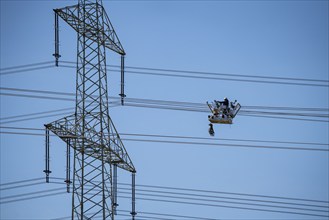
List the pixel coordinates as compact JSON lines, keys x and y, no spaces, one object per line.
{"x":90,"y":132}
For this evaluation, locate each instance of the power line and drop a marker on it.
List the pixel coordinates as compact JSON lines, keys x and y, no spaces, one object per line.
{"x":287,"y":108}
{"x":188,"y":137}
{"x":241,"y":113}
{"x":225,"y":206}
{"x":225,"y":197}
{"x":221,"y":139}
{"x":172,"y":215}
{"x":197,"y":143}
{"x":184,"y":106}
{"x":288,"y":113}
{"x":24,"y":66}
{"x":163,"y":108}
{"x":141,"y":213}
{"x":167,"y":108}
{"x":202,"y":108}
{"x":228,"y":193}
{"x":21,"y":133}
{"x":229,"y":202}
{"x":38,"y":97}
{"x":179,"y":109}
{"x":227,"y":145}
{"x":27,"y":70}
{"x":284,"y":118}
{"x":45,"y":193}
{"x":178,"y":199}
{"x":20,"y":186}
{"x":142,"y":197}
{"x":217,"y":74}
{"x":28,"y":194}
{"x":225,"y":79}
{"x":37,"y":117}
{"x":211,"y":73}
{"x":20,"y":181}
{"x":33,"y":114}
{"x":38,"y":91}
{"x":191,"y":74}
{"x":161,"y":102}
{"x":33,"y":197}
{"x":190,"y":190}
{"x":174,"y":71}
{"x":212,"y":78}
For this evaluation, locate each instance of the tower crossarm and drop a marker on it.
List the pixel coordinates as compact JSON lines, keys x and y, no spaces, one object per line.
{"x":118,"y":147}
{"x":88,"y":25}
{"x":113,"y":149}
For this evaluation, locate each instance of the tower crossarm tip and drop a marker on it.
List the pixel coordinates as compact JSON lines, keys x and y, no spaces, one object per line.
{"x":88,"y":25}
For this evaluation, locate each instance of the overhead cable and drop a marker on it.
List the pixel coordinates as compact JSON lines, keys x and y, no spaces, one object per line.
{"x":197,"y":143}
{"x":206,"y":73}
{"x":181,"y":200}
{"x":276,"y":113}
{"x":24,"y":66}
{"x":318,"y":84}
{"x":26,"y":70}
{"x":183,"y":74}
{"x":187,"y":137}
{"x":164,"y":102}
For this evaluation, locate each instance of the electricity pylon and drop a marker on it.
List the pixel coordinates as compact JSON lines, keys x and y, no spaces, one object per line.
{"x":90,"y":132}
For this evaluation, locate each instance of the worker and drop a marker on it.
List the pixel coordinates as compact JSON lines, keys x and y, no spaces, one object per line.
{"x":225,"y":103}
{"x":211,"y":130}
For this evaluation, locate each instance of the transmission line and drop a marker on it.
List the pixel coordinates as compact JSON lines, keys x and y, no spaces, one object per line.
{"x":241,"y":113}
{"x":213,"y":78}
{"x":208,"y":73}
{"x":26,"y":70}
{"x":228,"y":193}
{"x":221,"y":139}
{"x":184,"y":74}
{"x":187,"y":137}
{"x":204,"y":110}
{"x":184,"y":106}
{"x":153,"y":101}
{"x":225,"y":206}
{"x":33,"y":118}
{"x":33,"y":197}
{"x":142,"y":213}
{"x":20,"y":186}
{"x":173,"y":190}
{"x":141,"y":196}
{"x":284,"y":118}
{"x":20,"y":181}
{"x":24,"y":66}
{"x":226,"y":145}
{"x":33,"y":114}
{"x":191,"y":197}
{"x":28,"y":194}
{"x":216,"y":74}
{"x":197,"y":143}
{"x":166,"y":192}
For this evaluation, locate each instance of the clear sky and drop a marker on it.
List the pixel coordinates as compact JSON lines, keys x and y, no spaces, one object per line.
{"x":259,"y":38}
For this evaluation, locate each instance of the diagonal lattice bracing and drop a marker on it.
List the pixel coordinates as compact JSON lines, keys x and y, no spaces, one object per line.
{"x":90,"y":132}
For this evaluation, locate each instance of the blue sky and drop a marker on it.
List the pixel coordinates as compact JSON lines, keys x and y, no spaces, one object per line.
{"x":261,"y":38}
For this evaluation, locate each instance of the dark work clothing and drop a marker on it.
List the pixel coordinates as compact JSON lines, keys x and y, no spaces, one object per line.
{"x":225,"y":102}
